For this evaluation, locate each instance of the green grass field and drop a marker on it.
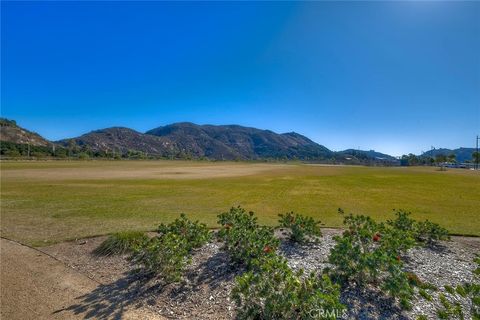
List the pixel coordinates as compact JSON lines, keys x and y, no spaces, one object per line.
{"x":45,"y":202}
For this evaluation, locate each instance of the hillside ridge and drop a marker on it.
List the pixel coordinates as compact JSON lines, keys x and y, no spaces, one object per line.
{"x":193,"y":141}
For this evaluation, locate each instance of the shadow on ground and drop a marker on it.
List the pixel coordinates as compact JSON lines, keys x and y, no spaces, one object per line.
{"x":366,"y":304}
{"x":110,"y":301}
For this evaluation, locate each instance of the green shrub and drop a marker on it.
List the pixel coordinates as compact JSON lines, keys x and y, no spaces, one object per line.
{"x":243,"y":238}
{"x":393,"y":241}
{"x":274,"y":291}
{"x":121,"y":243}
{"x":238,"y":217}
{"x":361,"y":255}
{"x":169,"y":253}
{"x":301,"y":228}
{"x":165,"y":256}
{"x":424,"y":232}
{"x":429,"y":232}
{"x":403,"y":222}
{"x":196,"y":233}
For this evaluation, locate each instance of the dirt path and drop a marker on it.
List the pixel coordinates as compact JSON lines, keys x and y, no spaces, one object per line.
{"x":37,"y":286}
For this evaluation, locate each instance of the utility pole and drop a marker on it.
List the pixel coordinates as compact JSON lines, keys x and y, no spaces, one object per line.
{"x":29,"y":149}
{"x":476,"y":158}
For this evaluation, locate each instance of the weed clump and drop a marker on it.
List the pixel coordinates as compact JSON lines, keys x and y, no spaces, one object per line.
{"x":121,"y":243}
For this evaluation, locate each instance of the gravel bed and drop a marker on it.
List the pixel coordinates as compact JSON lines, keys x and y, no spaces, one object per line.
{"x":205,"y":292}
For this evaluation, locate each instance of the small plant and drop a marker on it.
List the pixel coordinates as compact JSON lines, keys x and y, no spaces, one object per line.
{"x":424,"y":232}
{"x":403,"y":222}
{"x":238,"y":217}
{"x":451,"y":306}
{"x":395,"y":242}
{"x":301,"y":228}
{"x":425,"y":294}
{"x":121,"y":243}
{"x":244,"y":239}
{"x":429,"y":232}
{"x":274,"y":291}
{"x":166,"y":256}
{"x":369,"y":253}
{"x":195,"y":233}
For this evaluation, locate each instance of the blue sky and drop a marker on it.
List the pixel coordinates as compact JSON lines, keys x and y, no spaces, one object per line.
{"x":396,"y":77}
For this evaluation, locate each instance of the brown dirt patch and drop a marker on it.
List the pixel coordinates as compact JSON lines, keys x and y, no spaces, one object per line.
{"x":149,"y":170}
{"x":35,"y":285}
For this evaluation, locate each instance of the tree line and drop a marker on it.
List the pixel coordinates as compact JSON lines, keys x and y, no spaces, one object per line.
{"x":439,"y":159}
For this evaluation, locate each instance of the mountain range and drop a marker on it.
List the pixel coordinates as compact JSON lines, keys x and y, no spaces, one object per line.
{"x":215,"y":142}
{"x":228,"y":142}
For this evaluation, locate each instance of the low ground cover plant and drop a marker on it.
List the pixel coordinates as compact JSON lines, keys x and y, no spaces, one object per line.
{"x":121,"y":243}
{"x":302,"y":228}
{"x":168,"y":254}
{"x":245,"y":240}
{"x":272,"y":290}
{"x":452,"y":308}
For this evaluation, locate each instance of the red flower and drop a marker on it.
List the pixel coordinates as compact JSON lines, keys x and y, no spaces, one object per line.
{"x":267,"y":249}
{"x":376,"y":237}
{"x":398,"y":258}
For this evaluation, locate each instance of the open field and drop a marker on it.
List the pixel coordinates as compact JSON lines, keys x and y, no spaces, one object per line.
{"x":45,"y":202}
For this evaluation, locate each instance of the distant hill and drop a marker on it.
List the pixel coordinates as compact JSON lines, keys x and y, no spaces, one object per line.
{"x":11,"y":132}
{"x":188,"y":140}
{"x":370,"y":154}
{"x":120,"y":140}
{"x":238,"y":142}
{"x":461,"y":154}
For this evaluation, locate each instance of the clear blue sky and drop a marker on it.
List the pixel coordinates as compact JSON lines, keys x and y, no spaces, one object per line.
{"x":396,"y":77}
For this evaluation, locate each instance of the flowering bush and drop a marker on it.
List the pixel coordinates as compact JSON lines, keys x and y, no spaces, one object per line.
{"x":301,"y":228}
{"x":244,"y":239}
{"x":369,"y":253}
{"x":273,"y":291}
